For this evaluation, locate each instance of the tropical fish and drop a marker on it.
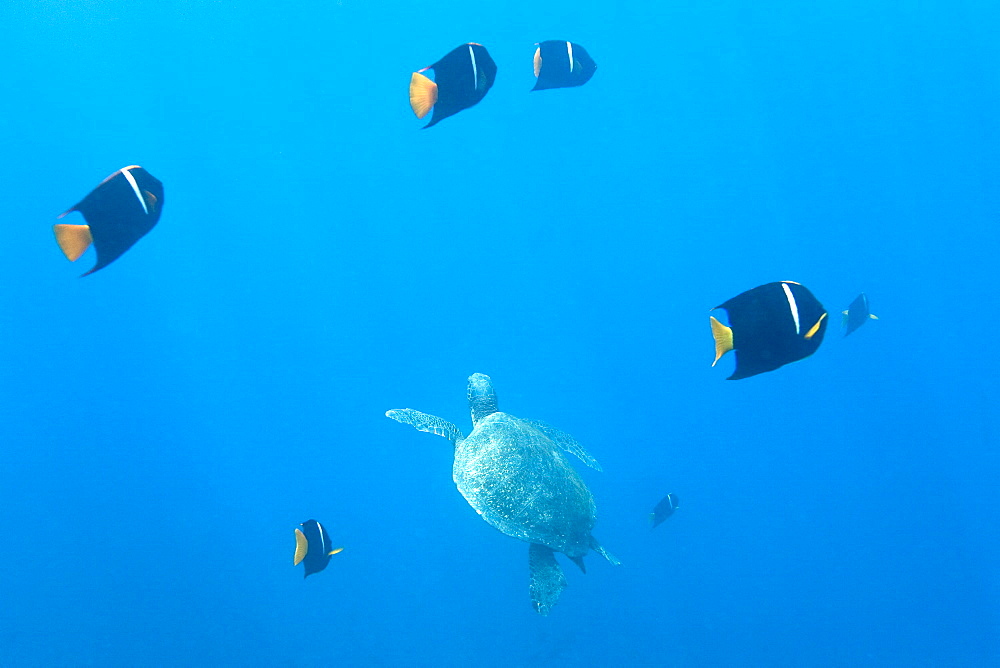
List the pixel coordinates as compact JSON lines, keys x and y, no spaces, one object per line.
{"x":119,"y":212}
{"x":857,"y":314}
{"x":664,"y":509}
{"x":461,"y":79}
{"x":562,"y":65}
{"x":312,"y":547}
{"x":769,"y":326}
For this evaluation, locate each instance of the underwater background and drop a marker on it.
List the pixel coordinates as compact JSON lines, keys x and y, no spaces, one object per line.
{"x":167,"y":422}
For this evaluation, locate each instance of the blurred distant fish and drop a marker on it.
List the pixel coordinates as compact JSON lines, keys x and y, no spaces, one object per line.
{"x":312,"y":547}
{"x":664,"y":509}
{"x":461,"y":79}
{"x":562,"y":65}
{"x":769,"y":326}
{"x":857,"y":314}
{"x":119,"y":212}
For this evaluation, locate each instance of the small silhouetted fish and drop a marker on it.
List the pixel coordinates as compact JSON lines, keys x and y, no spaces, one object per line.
{"x":769,"y":326}
{"x":562,"y":65}
{"x":664,"y":509}
{"x":119,"y":212}
{"x":857,"y":314}
{"x":461,"y":79}
{"x":312,"y":547}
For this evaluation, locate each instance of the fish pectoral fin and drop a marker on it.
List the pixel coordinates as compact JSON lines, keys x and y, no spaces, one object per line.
{"x":723,"y":338}
{"x":873,"y":316}
{"x":73,"y":240}
{"x":423,"y":94}
{"x":815,"y":328}
{"x":335,"y":551}
{"x":301,"y":547}
{"x":538,"y":61}
{"x":150,"y":199}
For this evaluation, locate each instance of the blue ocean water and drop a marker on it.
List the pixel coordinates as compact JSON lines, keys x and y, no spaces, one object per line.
{"x":167,"y":422}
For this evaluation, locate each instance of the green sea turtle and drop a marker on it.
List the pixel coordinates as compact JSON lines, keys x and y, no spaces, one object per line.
{"x":513,"y":472}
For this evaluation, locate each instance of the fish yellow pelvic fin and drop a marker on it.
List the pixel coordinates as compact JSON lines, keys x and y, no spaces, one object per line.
{"x":335,"y":551}
{"x":423,"y":94}
{"x":73,"y":240}
{"x":815,"y":328}
{"x":723,"y":338}
{"x":301,"y":547}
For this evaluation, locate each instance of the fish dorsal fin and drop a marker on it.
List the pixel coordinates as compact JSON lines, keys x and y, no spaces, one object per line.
{"x":423,"y":94}
{"x":301,"y":547}
{"x":538,"y":61}
{"x":424,"y":422}
{"x":566,"y":442}
{"x":723,"y":338}
{"x":73,"y":239}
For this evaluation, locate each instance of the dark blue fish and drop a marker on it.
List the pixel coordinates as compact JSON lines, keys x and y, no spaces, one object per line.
{"x":562,"y":65}
{"x":119,"y":212}
{"x":769,"y":326}
{"x":312,"y":547}
{"x":664,"y":509}
{"x":857,"y":314}
{"x":461,"y":79}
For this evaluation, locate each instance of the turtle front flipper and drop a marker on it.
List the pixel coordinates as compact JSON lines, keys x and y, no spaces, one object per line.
{"x":566,"y":442}
{"x":547,"y":579}
{"x":424,"y":422}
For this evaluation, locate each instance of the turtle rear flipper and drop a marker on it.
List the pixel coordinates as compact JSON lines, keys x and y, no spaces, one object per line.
{"x":547,"y":579}
{"x":565,"y":441}
{"x":596,"y":547}
{"x":424,"y":422}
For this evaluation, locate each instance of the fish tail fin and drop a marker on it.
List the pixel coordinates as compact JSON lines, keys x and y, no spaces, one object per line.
{"x":301,"y":547}
{"x":423,"y":94}
{"x":844,"y":315}
{"x":73,"y":240}
{"x":723,"y":338}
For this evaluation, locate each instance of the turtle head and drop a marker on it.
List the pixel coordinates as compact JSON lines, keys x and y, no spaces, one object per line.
{"x":482,"y":399}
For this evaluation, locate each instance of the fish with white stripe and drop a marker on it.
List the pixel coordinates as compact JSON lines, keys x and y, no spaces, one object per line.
{"x":122,"y":209}
{"x":461,"y":80}
{"x":769,"y":326}
{"x":561,"y":64}
{"x":312,"y":547}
